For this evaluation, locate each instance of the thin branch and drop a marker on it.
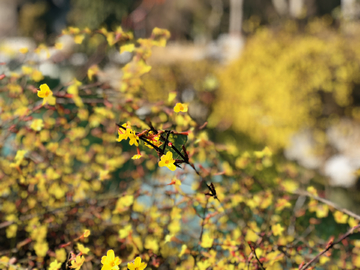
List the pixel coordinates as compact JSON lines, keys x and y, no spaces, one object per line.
{"x":330,"y":246}
{"x":203,"y":220}
{"x":256,"y":257}
{"x":329,"y":203}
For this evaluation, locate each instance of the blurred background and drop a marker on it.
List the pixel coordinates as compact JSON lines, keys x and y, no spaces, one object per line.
{"x":278,"y":73}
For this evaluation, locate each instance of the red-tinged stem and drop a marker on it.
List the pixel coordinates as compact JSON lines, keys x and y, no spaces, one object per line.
{"x":330,"y":246}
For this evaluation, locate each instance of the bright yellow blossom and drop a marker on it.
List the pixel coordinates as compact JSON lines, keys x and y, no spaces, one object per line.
{"x":277,"y":229}
{"x":20,"y":154}
{"x":78,"y":262}
{"x":46,"y":94}
{"x":23,"y":50}
{"x":128,"y":134}
{"x":55,"y":265}
{"x":340,"y":217}
{"x":93,"y":70}
{"x":86,"y":233}
{"x":11,"y":231}
{"x":109,"y":261}
{"x":127,"y":48}
{"x":168,"y":161}
{"x":41,"y":248}
{"x":136,"y":157}
{"x":125,"y":232}
{"x":137,"y":264}
{"x":37,"y":124}
{"x":183,"y":250}
{"x":60,"y":255}
{"x":78,"y":39}
{"x":26,"y":70}
{"x":59,"y":46}
{"x":123,"y":134}
{"x":207,"y":240}
{"x":37,"y":76}
{"x":133,"y":138}
{"x":82,"y":249}
{"x":180,"y":107}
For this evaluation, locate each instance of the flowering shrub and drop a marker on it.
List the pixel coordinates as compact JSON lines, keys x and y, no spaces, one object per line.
{"x":81,"y":176}
{"x":289,"y":80}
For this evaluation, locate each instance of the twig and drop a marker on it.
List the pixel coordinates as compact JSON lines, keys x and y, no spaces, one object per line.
{"x":329,"y":246}
{"x":256,"y":257}
{"x":329,"y":203}
{"x":203,"y":220}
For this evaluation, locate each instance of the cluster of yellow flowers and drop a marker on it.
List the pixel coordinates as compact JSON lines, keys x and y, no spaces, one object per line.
{"x":282,"y":80}
{"x":110,"y":262}
{"x":50,"y":186}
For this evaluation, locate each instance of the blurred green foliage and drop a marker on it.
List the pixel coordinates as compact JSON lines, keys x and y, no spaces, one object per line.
{"x":94,"y":14}
{"x":165,"y":78}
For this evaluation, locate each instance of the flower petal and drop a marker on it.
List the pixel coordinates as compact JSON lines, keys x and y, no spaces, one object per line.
{"x":111,"y":254}
{"x":137,"y":261}
{"x":172,"y":167}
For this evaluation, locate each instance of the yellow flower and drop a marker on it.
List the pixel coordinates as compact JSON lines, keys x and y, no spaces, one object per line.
{"x":127,"y":48}
{"x":78,"y":39}
{"x":340,"y":217}
{"x":206,"y":241}
{"x":154,"y":139}
{"x":78,"y":262}
{"x":11,"y":231}
{"x":46,"y":94}
{"x":55,"y":265}
{"x":82,"y":249}
{"x":93,"y":70}
{"x":37,"y":124}
{"x":125,"y":232}
{"x":103,"y":175}
{"x":136,"y":157}
{"x":20,"y":154}
{"x":59,"y":46}
{"x":37,"y":76}
{"x":23,"y":50}
{"x":133,"y":138}
{"x":26,"y":70}
{"x":60,"y":255}
{"x":167,"y":160}
{"x":123,"y":134}
{"x":110,"y":261}
{"x":41,"y":248}
{"x":180,"y":107}
{"x":86,"y":233}
{"x":183,"y":250}
{"x":277,"y":229}
{"x":137,"y":265}
{"x":151,"y":243}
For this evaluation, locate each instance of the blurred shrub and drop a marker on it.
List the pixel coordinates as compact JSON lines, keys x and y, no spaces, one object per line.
{"x":194,"y":82}
{"x":288,"y":80}
{"x":94,"y":14}
{"x":163,"y":79}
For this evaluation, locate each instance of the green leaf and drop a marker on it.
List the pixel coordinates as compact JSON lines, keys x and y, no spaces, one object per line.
{"x":178,"y":141}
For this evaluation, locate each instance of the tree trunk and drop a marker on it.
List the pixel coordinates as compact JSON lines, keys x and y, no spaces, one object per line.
{"x":349,"y":9}
{"x":8,"y":18}
{"x":296,"y":8}
{"x":236,"y":17}
{"x":280,"y":6}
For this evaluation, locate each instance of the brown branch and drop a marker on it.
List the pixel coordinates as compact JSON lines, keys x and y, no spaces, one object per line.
{"x":329,"y":203}
{"x":256,"y":257}
{"x":330,"y":246}
{"x":203,"y":220}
